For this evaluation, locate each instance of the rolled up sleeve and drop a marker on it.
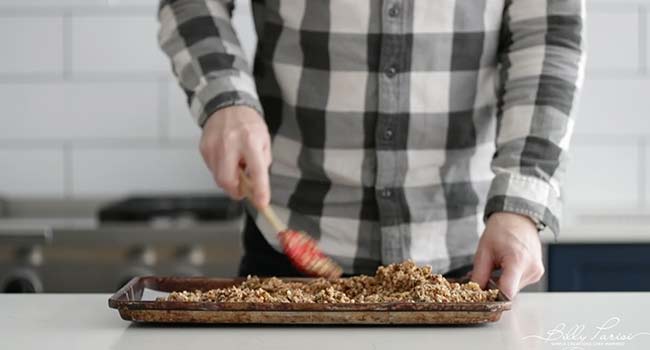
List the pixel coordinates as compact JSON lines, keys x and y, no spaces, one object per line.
{"x":206,"y":56}
{"x":542,"y":66}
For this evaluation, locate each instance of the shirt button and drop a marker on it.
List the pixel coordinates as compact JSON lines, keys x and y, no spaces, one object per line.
{"x":394,"y":11}
{"x":391,"y":71}
{"x":386,"y":193}
{"x":388,"y":134}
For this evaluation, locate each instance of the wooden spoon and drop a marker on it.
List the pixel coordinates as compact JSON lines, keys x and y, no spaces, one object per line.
{"x":298,"y":246}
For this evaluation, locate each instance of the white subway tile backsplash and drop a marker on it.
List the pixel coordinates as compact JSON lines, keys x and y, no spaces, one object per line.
{"x":646,"y":43}
{"x":74,"y":110}
{"x":152,"y":3}
{"x":602,"y":176}
{"x":31,"y":45}
{"x":614,"y":106}
{"x":104,"y":44}
{"x":181,"y":124}
{"x":118,"y":171}
{"x":613,"y":3}
{"x":646,"y":174}
{"x":31,"y":172}
{"x":613,"y":39}
{"x":49,"y":3}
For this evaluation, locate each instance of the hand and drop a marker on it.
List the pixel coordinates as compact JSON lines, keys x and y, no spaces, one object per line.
{"x":235,"y":137}
{"x":511,"y":242}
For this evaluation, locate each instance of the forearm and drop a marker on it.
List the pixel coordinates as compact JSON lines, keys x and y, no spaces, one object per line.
{"x":206,"y":56}
{"x":542,"y":63}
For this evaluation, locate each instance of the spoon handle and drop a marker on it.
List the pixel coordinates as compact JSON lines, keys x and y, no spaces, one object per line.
{"x":266,"y":211}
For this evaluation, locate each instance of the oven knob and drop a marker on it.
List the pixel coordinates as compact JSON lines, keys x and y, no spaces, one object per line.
{"x":191,"y":255}
{"x":22,"y":281}
{"x":30,"y":255}
{"x":144,"y":255}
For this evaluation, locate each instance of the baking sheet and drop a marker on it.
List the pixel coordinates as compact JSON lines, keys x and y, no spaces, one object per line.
{"x":149,"y":294}
{"x":136,"y":302}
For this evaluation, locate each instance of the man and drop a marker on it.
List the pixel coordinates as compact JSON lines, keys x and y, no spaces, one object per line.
{"x":397,"y":128}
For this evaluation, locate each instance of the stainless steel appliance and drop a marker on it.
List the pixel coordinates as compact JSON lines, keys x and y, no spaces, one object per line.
{"x":92,"y":246}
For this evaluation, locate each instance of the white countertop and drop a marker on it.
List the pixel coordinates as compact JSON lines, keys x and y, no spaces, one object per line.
{"x":84,"y":321}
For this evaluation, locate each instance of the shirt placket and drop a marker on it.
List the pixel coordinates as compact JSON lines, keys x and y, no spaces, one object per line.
{"x":388,"y":187}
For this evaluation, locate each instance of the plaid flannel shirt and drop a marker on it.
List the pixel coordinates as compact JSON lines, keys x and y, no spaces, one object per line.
{"x":398,"y":126}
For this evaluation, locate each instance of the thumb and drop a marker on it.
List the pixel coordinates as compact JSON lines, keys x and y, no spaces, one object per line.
{"x":510,"y":277}
{"x":483,"y":265}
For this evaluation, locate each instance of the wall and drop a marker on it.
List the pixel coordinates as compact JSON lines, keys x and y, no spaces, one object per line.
{"x":89,"y":108}
{"x":88,"y":104}
{"x":608,"y":171}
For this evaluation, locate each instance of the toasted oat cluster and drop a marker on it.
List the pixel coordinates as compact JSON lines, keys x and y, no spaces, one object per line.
{"x":403,"y":282}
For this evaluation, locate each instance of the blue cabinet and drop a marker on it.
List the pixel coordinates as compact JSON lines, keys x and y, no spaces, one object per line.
{"x":598,"y":267}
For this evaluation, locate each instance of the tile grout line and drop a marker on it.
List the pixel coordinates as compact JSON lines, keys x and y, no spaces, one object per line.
{"x":642,"y":173}
{"x":643,"y":40}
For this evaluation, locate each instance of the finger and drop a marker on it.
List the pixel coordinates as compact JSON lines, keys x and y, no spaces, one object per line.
{"x":226,"y":173}
{"x":257,"y":168}
{"x":512,"y":272}
{"x":483,"y":265}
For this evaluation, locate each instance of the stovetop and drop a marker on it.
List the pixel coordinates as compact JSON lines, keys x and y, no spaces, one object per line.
{"x":187,"y":207}
{"x":55,"y":245}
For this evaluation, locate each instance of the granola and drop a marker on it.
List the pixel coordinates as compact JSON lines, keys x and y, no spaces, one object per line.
{"x":405,"y":282}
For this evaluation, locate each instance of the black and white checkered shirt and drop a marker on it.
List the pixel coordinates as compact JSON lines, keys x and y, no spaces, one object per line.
{"x":397,"y":126}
